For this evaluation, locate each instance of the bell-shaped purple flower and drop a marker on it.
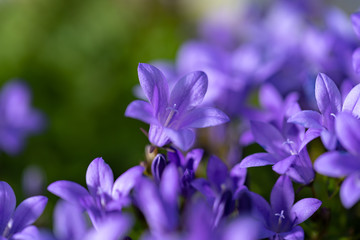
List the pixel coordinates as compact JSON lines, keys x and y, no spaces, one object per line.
{"x":16,"y":223}
{"x":173,"y":116}
{"x":281,"y":218}
{"x":104,"y":196}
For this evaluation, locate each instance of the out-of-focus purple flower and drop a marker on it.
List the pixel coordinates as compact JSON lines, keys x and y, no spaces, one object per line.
{"x":33,"y":180}
{"x":17,"y":118}
{"x":329,"y":102}
{"x":159,"y":204}
{"x":104,"y":196}
{"x":173,"y":116}
{"x":16,"y":223}
{"x":222,"y":189}
{"x":281,"y":218}
{"x":341,"y":163}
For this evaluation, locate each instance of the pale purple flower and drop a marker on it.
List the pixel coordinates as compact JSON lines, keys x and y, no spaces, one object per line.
{"x":173,"y":116}
{"x":281,"y":218}
{"x":329,"y":102}
{"x":341,"y":163}
{"x":18,"y":119}
{"x":16,"y":223}
{"x":104,"y":196}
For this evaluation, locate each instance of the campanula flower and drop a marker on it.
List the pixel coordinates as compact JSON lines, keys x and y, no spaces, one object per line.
{"x":281,"y":218}
{"x":173,"y":116}
{"x":16,"y":223}
{"x":104,"y":196}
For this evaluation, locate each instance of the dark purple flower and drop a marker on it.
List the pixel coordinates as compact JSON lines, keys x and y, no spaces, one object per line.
{"x":173,"y":116}
{"x":16,"y":223}
{"x":341,"y":163}
{"x":104,"y":196}
{"x":17,"y":118}
{"x":281,"y":218}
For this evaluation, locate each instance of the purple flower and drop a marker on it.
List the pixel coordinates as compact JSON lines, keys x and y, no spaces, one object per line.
{"x":286,"y":151}
{"x":329,"y":102}
{"x":341,"y":163}
{"x":104,"y":196}
{"x":281,"y":218}
{"x":17,"y":118}
{"x":173,"y":116}
{"x":16,"y":223}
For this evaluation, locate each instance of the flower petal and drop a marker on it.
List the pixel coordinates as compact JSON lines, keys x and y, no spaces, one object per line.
{"x":355,"y":19}
{"x":142,"y":111}
{"x":155,"y":88}
{"x":270,"y":98}
{"x":29,"y":233}
{"x":183,"y":138}
{"x":304,"y":209}
{"x":310,"y":135}
{"x":217,"y":172}
{"x":297,"y":233}
{"x":157,"y":135}
{"x":282,"y":195}
{"x":282,"y":166}
{"x":347,"y":129}
{"x":337,"y":164}
{"x":268,"y":137}
{"x":170,"y":189}
{"x":127,"y":181}
{"x":257,"y":160}
{"x":302,"y":171}
{"x":189,"y":91}
{"x":204,"y":187}
{"x":69,"y":191}
{"x":99,"y":177}
{"x":262,"y":210}
{"x":327,"y":96}
{"x":307,"y":118}
{"x":356,"y":60}
{"x":204,"y":117}
{"x":350,"y":190}
{"x":7,"y":204}
{"x":352,"y":101}
{"x":329,"y":139}
{"x":27,"y":212}
{"x":193,"y":159}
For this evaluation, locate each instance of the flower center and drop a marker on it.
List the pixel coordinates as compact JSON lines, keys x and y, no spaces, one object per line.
{"x":173,"y":111}
{"x":281,"y":216}
{"x":290,"y":144}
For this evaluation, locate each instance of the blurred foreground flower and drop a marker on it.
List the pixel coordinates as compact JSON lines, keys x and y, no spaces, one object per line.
{"x":17,"y":118}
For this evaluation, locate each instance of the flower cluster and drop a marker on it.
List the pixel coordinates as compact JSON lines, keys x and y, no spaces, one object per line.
{"x":284,"y":78}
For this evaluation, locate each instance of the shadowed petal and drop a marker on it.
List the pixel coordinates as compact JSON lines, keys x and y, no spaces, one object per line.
{"x":204,"y":187}
{"x":204,"y":117}
{"x":183,"y":138}
{"x":350,"y":190}
{"x":257,"y":160}
{"x":142,"y":111}
{"x":268,"y":137}
{"x":302,"y":171}
{"x":262,"y":208}
{"x":307,"y":118}
{"x":69,"y":191}
{"x":157,"y":135}
{"x":7,"y":204}
{"x":297,"y":233}
{"x":127,"y":181}
{"x":189,"y":91}
{"x":99,"y":177}
{"x":155,"y":88}
{"x":352,"y":101}
{"x":347,"y":129}
{"x":27,"y":212}
{"x":193,"y":158}
{"x":304,"y":209}
{"x":337,"y":164}
{"x":282,"y":194}
{"x":327,"y":96}
{"x":217,"y":172}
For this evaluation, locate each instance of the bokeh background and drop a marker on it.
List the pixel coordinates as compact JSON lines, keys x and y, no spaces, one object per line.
{"x":80,"y":59}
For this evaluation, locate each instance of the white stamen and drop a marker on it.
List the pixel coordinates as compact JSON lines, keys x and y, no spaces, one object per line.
{"x":281,"y":216}
{"x":173,"y":111}
{"x":290,"y":143}
{"x":333,"y":114}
